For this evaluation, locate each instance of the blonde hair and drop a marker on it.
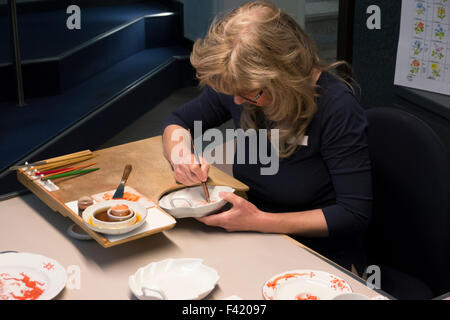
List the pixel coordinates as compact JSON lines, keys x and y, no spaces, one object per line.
{"x":258,"y":46}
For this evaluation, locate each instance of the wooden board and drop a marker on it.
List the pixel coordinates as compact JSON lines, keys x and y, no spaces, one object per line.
{"x":151,"y":175}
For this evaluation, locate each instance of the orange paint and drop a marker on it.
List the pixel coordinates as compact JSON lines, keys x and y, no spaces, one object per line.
{"x":274,"y":283}
{"x":34,"y":293}
{"x":119,"y":207}
{"x":138,"y":218}
{"x":126,"y":196}
{"x":338,"y":284}
{"x":306,"y":296}
{"x":49,"y":266}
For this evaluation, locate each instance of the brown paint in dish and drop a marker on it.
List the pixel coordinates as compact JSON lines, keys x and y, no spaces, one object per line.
{"x":102,"y":215}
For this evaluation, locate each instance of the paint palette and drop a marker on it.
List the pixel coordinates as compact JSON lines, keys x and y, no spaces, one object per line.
{"x":26,"y":276}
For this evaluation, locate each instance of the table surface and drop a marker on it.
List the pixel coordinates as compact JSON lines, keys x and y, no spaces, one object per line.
{"x":243,"y":260}
{"x":151,"y":175}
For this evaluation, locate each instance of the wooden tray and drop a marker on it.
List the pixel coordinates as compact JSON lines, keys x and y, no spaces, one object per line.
{"x":152,"y":176}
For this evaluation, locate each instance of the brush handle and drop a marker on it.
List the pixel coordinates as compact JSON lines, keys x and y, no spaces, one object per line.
{"x":71,"y":173}
{"x":56,"y":160}
{"x":69,"y":170}
{"x":126,"y":172}
{"x":197,"y":158}
{"x":50,"y":171}
{"x":62,"y":163}
{"x":69,"y":156}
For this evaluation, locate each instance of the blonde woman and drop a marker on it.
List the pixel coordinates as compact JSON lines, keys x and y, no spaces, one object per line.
{"x":259,"y":68}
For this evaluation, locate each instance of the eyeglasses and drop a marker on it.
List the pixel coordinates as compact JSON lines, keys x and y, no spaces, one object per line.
{"x":255,"y":99}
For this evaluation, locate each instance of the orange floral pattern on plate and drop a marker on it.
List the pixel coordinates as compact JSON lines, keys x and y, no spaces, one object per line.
{"x":126,"y":196}
{"x":49,"y":266}
{"x":338,"y":284}
{"x":273,"y":284}
{"x":306,"y":296}
{"x":32,"y":292}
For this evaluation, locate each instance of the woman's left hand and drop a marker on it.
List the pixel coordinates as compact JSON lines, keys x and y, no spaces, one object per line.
{"x":243,"y":216}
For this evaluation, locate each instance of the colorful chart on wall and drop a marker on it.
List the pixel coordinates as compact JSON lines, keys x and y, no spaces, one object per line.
{"x":423,"y":56}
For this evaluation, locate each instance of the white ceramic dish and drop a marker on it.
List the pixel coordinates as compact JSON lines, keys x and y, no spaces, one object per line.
{"x":27,"y":276}
{"x":190,"y":202}
{"x":118,"y":217}
{"x":304,"y":285}
{"x":114,"y":228}
{"x":173,"y":279}
{"x":72,"y":231}
{"x":113,"y":224}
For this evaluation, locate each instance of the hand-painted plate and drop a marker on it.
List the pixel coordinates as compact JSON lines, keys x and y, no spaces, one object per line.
{"x":304,"y":285}
{"x":27,"y":276}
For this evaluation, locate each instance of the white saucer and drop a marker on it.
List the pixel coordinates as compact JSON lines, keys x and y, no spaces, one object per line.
{"x":79,"y":236}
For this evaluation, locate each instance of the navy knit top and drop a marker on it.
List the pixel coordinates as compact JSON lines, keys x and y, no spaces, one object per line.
{"x":331,"y":171}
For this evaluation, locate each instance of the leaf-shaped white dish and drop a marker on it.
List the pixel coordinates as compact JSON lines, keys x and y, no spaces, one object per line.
{"x":173,"y":279}
{"x":190,"y":202}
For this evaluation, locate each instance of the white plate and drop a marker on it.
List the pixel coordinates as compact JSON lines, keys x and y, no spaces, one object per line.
{"x":140,"y":210}
{"x":304,"y":285}
{"x":27,"y":276}
{"x":173,"y":279}
{"x":190,"y":202}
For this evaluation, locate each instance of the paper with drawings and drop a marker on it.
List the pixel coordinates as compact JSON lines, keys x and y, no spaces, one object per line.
{"x":423,"y":56}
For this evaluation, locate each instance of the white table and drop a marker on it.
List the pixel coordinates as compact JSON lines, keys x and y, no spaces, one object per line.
{"x":244,"y":260}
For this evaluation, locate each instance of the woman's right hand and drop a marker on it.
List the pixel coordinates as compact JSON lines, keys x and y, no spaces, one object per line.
{"x":177,"y":150}
{"x":189,"y":172}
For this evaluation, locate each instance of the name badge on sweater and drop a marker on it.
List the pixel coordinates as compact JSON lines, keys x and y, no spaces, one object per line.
{"x":302,"y":141}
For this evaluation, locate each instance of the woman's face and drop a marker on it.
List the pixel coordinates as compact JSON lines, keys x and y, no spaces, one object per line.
{"x":257,"y":98}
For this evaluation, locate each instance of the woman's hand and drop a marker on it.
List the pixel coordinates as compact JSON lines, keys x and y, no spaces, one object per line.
{"x":189,"y":172}
{"x":243,"y":216}
{"x":177,"y":150}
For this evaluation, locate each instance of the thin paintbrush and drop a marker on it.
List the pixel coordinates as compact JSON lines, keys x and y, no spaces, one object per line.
{"x":54,"y":160}
{"x":69,"y":170}
{"x":64,"y":163}
{"x":50,"y":171}
{"x":71,"y":173}
{"x":197,"y":158}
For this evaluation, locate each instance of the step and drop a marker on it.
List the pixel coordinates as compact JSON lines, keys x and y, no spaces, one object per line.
{"x":44,"y":34}
{"x":25,"y":131}
{"x":77,"y":55}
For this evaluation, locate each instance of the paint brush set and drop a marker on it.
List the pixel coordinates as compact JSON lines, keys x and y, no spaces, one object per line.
{"x":59,"y":167}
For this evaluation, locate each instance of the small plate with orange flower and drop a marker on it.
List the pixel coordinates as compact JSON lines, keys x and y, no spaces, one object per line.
{"x":304,"y":285}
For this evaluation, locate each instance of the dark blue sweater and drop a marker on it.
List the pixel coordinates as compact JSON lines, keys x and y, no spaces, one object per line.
{"x":332,"y":172}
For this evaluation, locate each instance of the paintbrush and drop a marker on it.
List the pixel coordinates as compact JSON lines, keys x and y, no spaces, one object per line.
{"x":197,"y":158}
{"x":55,"y":160}
{"x":71,"y":173}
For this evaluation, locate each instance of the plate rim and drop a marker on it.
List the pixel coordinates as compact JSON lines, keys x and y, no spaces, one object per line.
{"x":266,"y":297}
